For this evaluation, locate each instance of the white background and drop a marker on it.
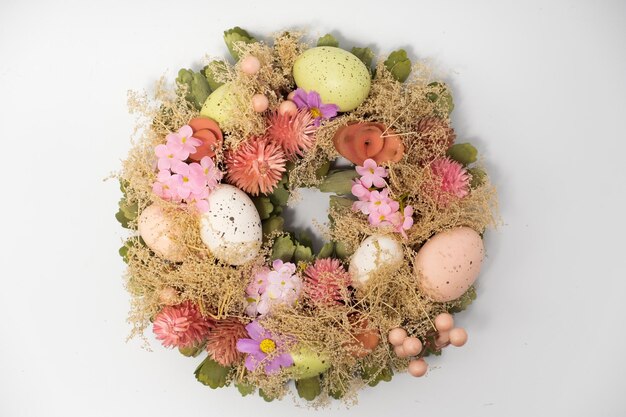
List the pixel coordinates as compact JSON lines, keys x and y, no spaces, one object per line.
{"x":540,"y":88}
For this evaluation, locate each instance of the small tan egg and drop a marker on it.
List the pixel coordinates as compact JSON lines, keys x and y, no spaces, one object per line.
{"x":157,"y":229}
{"x":449,"y":263}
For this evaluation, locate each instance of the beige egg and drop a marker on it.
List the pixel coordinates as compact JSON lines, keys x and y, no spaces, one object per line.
{"x":449,"y":263}
{"x":374,"y":253}
{"x":231,"y":229}
{"x":157,"y":229}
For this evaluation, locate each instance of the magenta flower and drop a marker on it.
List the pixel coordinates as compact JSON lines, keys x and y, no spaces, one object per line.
{"x":184,"y":140}
{"x":313,"y":102}
{"x":264,"y":350}
{"x":371,"y":174}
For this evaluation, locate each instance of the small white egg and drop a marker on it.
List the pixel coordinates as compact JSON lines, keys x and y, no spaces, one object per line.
{"x":375,"y":252}
{"x":231,"y":229}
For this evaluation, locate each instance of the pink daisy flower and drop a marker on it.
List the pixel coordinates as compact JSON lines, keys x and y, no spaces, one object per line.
{"x":452,"y":181}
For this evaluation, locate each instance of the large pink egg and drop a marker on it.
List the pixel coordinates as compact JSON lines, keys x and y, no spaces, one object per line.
{"x":449,"y":263}
{"x":157,"y":229}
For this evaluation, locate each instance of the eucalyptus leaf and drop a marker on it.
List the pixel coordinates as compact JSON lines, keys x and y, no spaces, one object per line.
{"x":211,"y":373}
{"x":303,"y":254}
{"x":366,"y":55}
{"x":464,"y":153}
{"x":339,"y":182}
{"x":245,"y":389}
{"x":283,"y":249}
{"x":309,"y":388}
{"x":235,"y":35}
{"x":265,"y":396}
{"x":263,"y":206}
{"x":399,"y":65}
{"x":122,"y":219}
{"x":375,"y":375}
{"x":326,"y":251}
{"x":328,"y":40}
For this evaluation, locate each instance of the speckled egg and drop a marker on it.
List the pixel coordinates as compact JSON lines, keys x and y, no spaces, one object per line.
{"x":157,"y":229}
{"x":219,"y":103}
{"x":307,"y":364}
{"x":374,"y":253}
{"x":337,"y":75}
{"x":449,"y":263}
{"x":231,"y":229}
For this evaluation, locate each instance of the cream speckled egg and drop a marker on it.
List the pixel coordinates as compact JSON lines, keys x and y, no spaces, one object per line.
{"x":337,"y":75}
{"x":449,"y":263}
{"x":156,"y":229}
{"x":231,"y":229}
{"x":375,"y":252}
{"x":219,"y":103}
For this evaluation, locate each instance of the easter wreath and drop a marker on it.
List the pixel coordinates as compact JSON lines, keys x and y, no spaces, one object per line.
{"x":217,"y":160}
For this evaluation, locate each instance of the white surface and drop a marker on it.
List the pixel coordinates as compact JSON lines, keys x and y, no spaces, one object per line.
{"x":539,"y":89}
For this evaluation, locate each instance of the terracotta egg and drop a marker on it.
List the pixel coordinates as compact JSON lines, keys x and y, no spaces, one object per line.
{"x":418,"y":368}
{"x":250,"y":65}
{"x":449,"y":263}
{"x":366,"y":340}
{"x":231,"y":228}
{"x":260,"y":103}
{"x":156,"y":229}
{"x":374,"y":253}
{"x":287,"y":107}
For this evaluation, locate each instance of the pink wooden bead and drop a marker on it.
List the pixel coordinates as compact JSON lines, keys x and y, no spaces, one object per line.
{"x":458,"y":336}
{"x":291,"y":95}
{"x":250,"y":65}
{"x":444,"y":322}
{"x":287,"y":107}
{"x":260,"y":103}
{"x":412,"y":346}
{"x":399,"y":351}
{"x":418,"y":368}
{"x":397,"y":336}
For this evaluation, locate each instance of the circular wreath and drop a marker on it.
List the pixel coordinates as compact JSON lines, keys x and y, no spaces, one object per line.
{"x":219,"y":157}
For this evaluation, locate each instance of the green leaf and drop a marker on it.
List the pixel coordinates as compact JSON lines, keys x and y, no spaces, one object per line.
{"x":212,"y":373}
{"x":235,"y":35}
{"x":440,"y":94}
{"x":274,"y":223}
{"x":211,"y":72}
{"x":197,"y":86}
{"x":280,"y":195}
{"x":478,"y":177}
{"x":463,"y":153}
{"x":339,"y":182}
{"x":309,"y":388}
{"x":245,"y":389}
{"x":399,"y":65}
{"x":328,"y":40}
{"x":375,"y":375}
{"x":305,"y":239}
{"x":192,"y":351}
{"x":265,"y":396}
{"x":303,"y":254}
{"x":124,"y":253}
{"x":122,"y":219}
{"x":322,"y":170}
{"x":283,"y":249}
{"x":366,"y":55}
{"x":263,"y":206}
{"x":343,"y":251}
{"x":130,"y":211}
{"x":326,"y":251}
{"x":338,"y":202}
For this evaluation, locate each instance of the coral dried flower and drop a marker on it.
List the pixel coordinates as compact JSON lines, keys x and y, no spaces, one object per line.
{"x":295,"y":133}
{"x":181,"y":325}
{"x":255,"y":166}
{"x":452,"y":181}
{"x":222,"y":341}
{"x":325,"y":281}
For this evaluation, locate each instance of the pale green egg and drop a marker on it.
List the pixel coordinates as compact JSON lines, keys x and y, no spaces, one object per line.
{"x":337,"y":75}
{"x":219,"y":104}
{"x":307,"y":364}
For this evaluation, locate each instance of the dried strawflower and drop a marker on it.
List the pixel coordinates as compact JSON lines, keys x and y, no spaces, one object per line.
{"x":452,"y":181}
{"x":325,"y":281}
{"x":222,"y":340}
{"x":181,"y":325}
{"x":295,"y":133}
{"x":255,"y":166}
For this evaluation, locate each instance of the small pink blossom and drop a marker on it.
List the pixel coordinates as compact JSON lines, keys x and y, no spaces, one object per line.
{"x":360,"y":191}
{"x":269,"y":287}
{"x":184,"y":139}
{"x":169,"y":155}
{"x":402,"y":222}
{"x":371,"y":174}
{"x":379,"y":202}
{"x":166,"y":185}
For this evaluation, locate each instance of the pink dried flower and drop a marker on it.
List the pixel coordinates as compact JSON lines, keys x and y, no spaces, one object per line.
{"x":181,"y":325}
{"x":379,"y":202}
{"x":402,"y":221}
{"x":255,"y":166}
{"x":169,"y":155}
{"x":325,"y":281}
{"x":269,"y":287}
{"x":452,"y":181}
{"x":371,"y":174}
{"x":295,"y":133}
{"x":184,"y":140}
{"x":222,"y":341}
